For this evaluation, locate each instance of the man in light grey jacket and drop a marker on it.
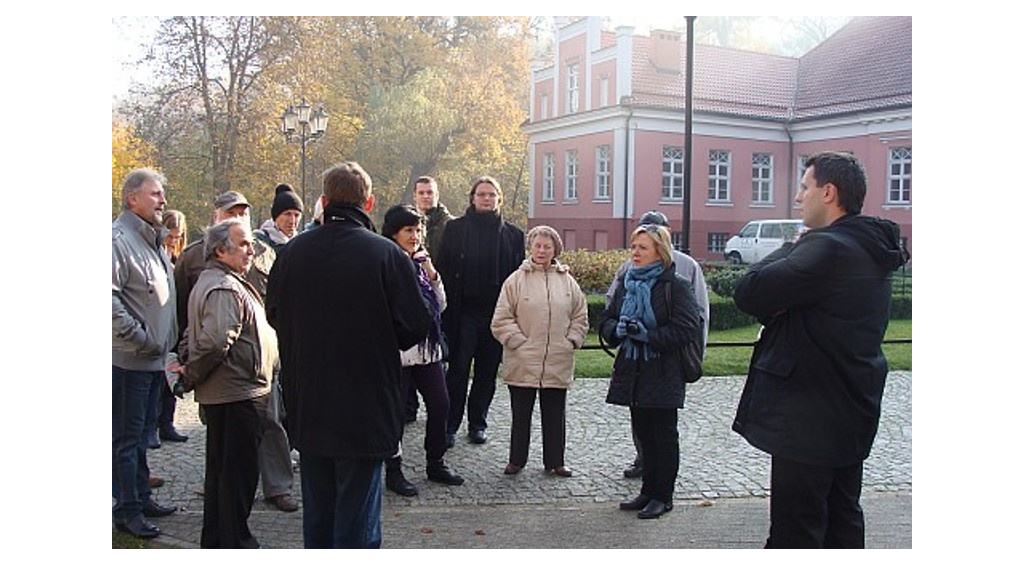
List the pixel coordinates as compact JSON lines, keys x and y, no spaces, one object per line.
{"x":144,"y":330}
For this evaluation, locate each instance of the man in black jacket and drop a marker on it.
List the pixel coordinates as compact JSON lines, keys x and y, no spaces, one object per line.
{"x":344,"y":302}
{"x":478,"y":251}
{"x":814,"y":389}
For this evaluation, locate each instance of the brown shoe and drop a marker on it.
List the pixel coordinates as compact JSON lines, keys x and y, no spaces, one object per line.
{"x":156,"y":481}
{"x":512,"y":468}
{"x":284,"y":502}
{"x":562,"y":471}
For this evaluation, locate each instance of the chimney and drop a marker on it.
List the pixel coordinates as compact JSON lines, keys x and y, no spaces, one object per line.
{"x":666,"y":50}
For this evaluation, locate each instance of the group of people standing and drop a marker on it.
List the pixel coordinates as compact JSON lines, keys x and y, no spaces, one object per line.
{"x":347,"y":326}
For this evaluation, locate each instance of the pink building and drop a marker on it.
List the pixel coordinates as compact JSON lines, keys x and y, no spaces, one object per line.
{"x":607,"y":122}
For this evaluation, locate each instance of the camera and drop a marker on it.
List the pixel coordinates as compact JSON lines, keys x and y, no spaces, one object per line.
{"x":632,"y":328}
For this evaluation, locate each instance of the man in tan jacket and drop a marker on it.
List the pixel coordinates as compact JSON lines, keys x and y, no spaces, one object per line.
{"x":230,"y":356}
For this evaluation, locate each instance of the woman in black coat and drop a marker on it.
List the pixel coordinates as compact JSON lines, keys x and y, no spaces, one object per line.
{"x":651,"y":317}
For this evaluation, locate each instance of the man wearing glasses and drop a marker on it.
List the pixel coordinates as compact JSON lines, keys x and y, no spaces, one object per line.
{"x":477,"y":252}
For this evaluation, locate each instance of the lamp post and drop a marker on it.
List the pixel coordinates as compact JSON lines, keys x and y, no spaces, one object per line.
{"x":298,"y":124}
{"x":688,"y":134}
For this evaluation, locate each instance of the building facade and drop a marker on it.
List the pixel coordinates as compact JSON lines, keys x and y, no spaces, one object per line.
{"x":607,"y":122}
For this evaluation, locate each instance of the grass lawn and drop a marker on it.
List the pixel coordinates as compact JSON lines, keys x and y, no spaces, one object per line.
{"x":734,"y":360}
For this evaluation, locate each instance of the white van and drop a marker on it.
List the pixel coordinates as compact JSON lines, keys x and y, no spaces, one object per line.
{"x":760,"y":237}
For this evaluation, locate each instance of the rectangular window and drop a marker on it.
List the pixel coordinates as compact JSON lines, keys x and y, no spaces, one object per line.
{"x":899,"y":175}
{"x":543,"y":106}
{"x":573,"y":89}
{"x":671,"y":173}
{"x":718,"y":175}
{"x":716,"y":242}
{"x":572,"y":167}
{"x":604,"y":91}
{"x":548,"y":190}
{"x":602,"y":172}
{"x":761,"y":172}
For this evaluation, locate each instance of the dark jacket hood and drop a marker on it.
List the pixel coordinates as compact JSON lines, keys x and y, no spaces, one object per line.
{"x":880,"y":237}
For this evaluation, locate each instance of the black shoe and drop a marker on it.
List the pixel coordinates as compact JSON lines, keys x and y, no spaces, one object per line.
{"x":478,"y":437}
{"x":139,"y":527}
{"x":633,"y":471}
{"x":153,"y":509}
{"x":439,"y":472}
{"x":654,"y":509}
{"x":172,"y":435}
{"x":154,"y":441}
{"x":635,"y":504}
{"x":450,"y":438}
{"x":395,"y":481}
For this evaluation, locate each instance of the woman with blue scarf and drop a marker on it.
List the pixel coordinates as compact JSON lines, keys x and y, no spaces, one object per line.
{"x":652,"y":315}
{"x":422,"y":365}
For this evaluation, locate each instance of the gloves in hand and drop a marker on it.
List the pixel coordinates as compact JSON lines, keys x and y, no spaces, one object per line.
{"x":641,"y":335}
{"x":620,"y":327}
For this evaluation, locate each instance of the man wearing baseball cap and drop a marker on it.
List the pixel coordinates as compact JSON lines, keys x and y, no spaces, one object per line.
{"x":275,"y":452}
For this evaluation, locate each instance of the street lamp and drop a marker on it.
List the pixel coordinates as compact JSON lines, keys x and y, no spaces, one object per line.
{"x":297,"y":124}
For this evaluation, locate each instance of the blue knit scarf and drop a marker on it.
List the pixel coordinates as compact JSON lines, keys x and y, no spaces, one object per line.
{"x":636,"y":304}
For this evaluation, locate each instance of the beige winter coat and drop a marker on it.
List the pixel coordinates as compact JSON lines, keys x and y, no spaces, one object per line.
{"x":540,"y":319}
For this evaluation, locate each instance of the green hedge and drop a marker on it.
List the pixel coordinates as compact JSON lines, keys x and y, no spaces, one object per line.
{"x":725,"y":314}
{"x":594,"y":270}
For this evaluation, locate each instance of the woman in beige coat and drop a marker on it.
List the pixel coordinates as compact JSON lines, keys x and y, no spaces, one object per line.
{"x":540,"y":320}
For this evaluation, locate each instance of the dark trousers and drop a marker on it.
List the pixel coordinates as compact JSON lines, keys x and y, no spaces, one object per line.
{"x":473,"y":345}
{"x":168,"y":403}
{"x":552,"y":424}
{"x":341,"y":502}
{"x":815,"y":506}
{"x":233,"y":434}
{"x":429,"y":380}
{"x":658,"y":432}
{"x":135,"y":401}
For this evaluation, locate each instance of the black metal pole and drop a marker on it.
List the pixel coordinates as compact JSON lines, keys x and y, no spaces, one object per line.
{"x":688,"y":145}
{"x":305,"y":203}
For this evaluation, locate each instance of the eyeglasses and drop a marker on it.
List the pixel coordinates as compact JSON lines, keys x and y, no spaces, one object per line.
{"x":485,"y":194}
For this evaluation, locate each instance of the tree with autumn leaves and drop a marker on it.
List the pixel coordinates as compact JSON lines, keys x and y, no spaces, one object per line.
{"x":406,"y":95}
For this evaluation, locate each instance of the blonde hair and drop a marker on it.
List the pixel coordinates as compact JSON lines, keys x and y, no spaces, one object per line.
{"x":662,"y":240}
{"x":176,"y":219}
{"x":545,"y":231}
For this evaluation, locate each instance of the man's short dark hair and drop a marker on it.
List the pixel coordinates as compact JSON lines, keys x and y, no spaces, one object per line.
{"x":843,"y":171}
{"x":347,"y":184}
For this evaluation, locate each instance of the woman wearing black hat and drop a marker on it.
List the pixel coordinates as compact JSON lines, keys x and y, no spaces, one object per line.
{"x":422,"y":364}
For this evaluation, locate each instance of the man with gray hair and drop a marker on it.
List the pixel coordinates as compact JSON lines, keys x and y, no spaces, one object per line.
{"x":144,"y":330}
{"x":275,"y":460}
{"x":229,"y":361}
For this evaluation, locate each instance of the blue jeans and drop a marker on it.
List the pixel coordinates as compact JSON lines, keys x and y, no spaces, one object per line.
{"x":136,"y":400}
{"x":341,"y":502}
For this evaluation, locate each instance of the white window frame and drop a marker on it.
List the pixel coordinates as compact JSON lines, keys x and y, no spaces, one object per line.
{"x":671,"y":173}
{"x":719,"y":171}
{"x":543,"y":106}
{"x":602,"y":172}
{"x":763,"y":181}
{"x":572,"y":169}
{"x":572,"y":104}
{"x":548,"y":181}
{"x":899,"y":176}
{"x":605,"y":83}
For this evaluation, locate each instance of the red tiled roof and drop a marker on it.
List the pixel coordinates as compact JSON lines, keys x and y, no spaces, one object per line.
{"x":866,"y":65}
